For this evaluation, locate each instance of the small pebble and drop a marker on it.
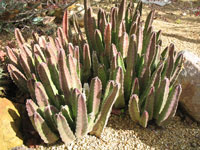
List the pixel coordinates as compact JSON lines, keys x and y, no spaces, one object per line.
{"x":184,"y":14}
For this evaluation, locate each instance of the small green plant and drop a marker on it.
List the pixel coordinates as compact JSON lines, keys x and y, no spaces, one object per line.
{"x":5,"y":81}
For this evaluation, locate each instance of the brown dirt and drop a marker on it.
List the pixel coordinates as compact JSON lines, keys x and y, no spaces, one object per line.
{"x":183,"y":31}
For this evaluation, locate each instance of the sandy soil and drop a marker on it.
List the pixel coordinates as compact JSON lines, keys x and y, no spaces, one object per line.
{"x":179,"y":25}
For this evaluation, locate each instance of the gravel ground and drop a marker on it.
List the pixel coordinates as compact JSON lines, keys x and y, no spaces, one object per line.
{"x":123,"y":134}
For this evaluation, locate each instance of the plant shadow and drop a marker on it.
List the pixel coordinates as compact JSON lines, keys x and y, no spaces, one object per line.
{"x":25,"y":130}
{"x":16,"y":123}
{"x":182,"y":38}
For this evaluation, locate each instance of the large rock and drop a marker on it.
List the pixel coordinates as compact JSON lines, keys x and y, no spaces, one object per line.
{"x":190,"y":81}
{"x":10,"y":135}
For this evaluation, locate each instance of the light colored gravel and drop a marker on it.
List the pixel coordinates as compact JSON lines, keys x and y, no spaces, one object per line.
{"x":123,"y":134}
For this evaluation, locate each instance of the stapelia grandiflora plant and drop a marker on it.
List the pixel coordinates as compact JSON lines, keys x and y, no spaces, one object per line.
{"x":123,"y":50}
{"x":60,"y":107}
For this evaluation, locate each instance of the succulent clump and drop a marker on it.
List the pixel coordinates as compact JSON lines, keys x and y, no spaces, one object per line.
{"x":73,"y":88}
